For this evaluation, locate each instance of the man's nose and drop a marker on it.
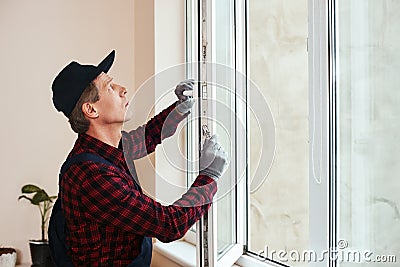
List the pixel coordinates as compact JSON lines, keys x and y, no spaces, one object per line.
{"x":123,"y":91}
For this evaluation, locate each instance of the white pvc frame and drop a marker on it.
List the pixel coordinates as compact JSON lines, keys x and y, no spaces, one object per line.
{"x":196,"y":12}
{"x":322,"y":186}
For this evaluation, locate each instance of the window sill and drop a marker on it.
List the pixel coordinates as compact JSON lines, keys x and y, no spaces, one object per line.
{"x":246,"y":260}
{"x":180,"y":252}
{"x":184,"y":254}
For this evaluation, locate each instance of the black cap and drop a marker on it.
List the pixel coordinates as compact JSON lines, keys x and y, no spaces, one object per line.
{"x":70,"y":83}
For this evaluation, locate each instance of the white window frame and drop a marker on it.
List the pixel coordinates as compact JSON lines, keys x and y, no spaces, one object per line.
{"x":207,"y":254}
{"x":322,"y":186}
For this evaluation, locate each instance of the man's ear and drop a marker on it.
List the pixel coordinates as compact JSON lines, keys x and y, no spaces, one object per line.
{"x":89,"y":110}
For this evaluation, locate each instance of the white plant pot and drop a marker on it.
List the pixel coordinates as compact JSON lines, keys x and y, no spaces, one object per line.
{"x":8,"y":260}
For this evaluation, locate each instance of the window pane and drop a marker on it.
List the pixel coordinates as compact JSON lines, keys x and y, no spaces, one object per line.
{"x":369,"y":122}
{"x":225,"y":118}
{"x":279,"y":212}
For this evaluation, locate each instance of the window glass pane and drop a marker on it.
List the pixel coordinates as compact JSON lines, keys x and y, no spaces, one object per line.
{"x":369,"y":122}
{"x":191,"y":73}
{"x":225,"y":117}
{"x":279,"y":213}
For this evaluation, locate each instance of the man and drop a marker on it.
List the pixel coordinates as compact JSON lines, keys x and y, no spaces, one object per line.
{"x":110,"y":221}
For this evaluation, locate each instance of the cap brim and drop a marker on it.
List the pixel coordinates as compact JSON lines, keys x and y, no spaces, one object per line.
{"x":106,"y":64}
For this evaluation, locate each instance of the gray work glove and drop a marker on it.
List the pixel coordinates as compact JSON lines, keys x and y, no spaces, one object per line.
{"x":213,"y":159}
{"x":185,"y":103}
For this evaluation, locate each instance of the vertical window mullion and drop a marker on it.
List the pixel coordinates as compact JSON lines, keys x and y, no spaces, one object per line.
{"x":320,"y":79}
{"x":332,"y":134}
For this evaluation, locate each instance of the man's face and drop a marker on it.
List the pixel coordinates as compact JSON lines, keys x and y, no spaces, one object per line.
{"x":113,"y":104}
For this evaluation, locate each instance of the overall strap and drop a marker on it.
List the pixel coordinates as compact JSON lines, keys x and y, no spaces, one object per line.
{"x":81,"y":158}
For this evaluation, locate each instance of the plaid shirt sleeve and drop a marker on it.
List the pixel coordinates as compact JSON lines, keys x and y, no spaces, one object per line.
{"x":110,"y":200}
{"x":144,"y":139}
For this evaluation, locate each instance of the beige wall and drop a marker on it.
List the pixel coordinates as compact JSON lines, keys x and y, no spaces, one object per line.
{"x":169,"y":56}
{"x":38,"y":38}
{"x":143,"y":98}
{"x":169,"y":26}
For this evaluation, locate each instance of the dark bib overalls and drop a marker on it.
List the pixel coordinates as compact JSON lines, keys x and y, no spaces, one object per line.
{"x":58,"y":228}
{"x":144,"y":258}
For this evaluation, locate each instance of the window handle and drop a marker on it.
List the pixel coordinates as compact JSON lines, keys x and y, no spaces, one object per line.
{"x":206,"y":131}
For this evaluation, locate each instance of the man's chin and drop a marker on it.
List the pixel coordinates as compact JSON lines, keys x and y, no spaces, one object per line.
{"x":128,"y":116}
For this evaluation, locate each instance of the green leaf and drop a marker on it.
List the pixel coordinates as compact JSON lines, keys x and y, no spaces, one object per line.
{"x":30,"y":199}
{"x":40,"y":196}
{"x":30,"y":188}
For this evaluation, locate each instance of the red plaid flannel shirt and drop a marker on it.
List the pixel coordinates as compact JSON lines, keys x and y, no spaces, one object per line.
{"x":107,"y":214}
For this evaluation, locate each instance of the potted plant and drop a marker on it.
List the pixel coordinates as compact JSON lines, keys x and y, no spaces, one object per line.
{"x":40,"y":251}
{"x":8,"y":257}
